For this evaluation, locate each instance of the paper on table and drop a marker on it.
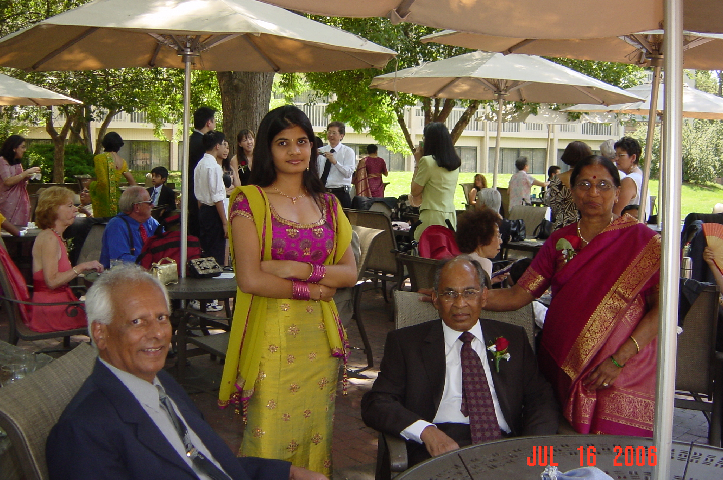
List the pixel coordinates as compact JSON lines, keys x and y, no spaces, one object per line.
{"x":226,"y":275}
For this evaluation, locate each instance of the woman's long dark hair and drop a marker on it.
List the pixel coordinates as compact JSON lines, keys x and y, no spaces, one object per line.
{"x":263,"y":173}
{"x":438,"y":143}
{"x":8,"y":150}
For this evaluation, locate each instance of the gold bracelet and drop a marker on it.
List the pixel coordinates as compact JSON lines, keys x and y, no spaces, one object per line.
{"x":311,"y":265}
{"x":76,"y":272}
{"x":637,"y":346}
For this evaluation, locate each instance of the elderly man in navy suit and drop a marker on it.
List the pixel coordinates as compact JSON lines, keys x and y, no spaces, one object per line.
{"x":130,"y":419}
{"x":441,"y":386}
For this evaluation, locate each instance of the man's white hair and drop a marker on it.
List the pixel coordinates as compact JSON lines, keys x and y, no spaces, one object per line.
{"x":99,"y":300}
{"x":130,"y":197}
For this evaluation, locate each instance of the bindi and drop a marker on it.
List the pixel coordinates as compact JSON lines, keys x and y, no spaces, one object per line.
{"x":594,"y":177}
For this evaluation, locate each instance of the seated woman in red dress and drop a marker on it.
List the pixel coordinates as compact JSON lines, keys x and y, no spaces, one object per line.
{"x":51,"y":268}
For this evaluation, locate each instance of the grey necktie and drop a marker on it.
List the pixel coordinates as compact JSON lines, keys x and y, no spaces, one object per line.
{"x":198,"y":459}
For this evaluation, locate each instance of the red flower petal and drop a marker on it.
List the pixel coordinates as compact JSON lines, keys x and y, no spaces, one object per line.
{"x":501,"y":344}
{"x":574,"y":240}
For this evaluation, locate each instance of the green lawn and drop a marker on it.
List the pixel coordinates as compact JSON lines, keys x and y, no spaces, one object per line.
{"x":696,"y":198}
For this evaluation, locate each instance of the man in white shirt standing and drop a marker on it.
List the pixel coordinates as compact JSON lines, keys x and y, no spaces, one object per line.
{"x":337,"y":163}
{"x":211,"y":192}
{"x":430,"y":370}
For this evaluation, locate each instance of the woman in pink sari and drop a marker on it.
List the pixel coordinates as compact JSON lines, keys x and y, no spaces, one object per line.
{"x":598,"y":346}
{"x":14,"y":199}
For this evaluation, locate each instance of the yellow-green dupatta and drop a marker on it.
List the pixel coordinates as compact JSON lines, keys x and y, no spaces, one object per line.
{"x":243,"y":356}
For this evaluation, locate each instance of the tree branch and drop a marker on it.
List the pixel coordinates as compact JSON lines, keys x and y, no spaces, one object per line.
{"x":464,"y":120}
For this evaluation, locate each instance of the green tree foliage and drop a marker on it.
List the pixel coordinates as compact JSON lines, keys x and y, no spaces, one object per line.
{"x":78,"y":161}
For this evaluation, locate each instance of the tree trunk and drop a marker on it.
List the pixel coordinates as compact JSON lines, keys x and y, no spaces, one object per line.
{"x":59,"y":143}
{"x":102,"y":130}
{"x":245,"y":98}
{"x":405,"y":130}
{"x":464,"y":121}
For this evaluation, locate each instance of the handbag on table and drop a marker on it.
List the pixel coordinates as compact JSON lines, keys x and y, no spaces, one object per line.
{"x":167,"y":272}
{"x":205,"y":267}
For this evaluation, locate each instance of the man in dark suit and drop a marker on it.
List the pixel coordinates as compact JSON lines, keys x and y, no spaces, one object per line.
{"x":425,"y":375}
{"x":130,"y":419}
{"x":203,"y":122}
{"x":162,"y":196}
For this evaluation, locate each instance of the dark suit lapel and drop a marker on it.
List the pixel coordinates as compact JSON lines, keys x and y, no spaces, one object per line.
{"x":501,"y":380}
{"x":131,"y":412}
{"x":434,"y":362}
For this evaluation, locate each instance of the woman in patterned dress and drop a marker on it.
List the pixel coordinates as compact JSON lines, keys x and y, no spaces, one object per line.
{"x":559,"y":193}
{"x":292,"y":251}
{"x":110,"y":169}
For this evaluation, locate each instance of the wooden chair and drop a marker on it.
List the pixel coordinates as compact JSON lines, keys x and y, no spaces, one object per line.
{"x":420,"y":270}
{"x":18,"y":330}
{"x":382,"y":263}
{"x":368,"y":238}
{"x":699,"y":372}
{"x":31,"y":407}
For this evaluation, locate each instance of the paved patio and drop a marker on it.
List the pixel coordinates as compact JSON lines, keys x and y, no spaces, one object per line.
{"x":354,"y":452}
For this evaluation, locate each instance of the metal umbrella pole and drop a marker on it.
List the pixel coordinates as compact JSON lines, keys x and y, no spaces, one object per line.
{"x":656,"y":61}
{"x":500,"y":103}
{"x":187,"y":54}
{"x":670,"y":251}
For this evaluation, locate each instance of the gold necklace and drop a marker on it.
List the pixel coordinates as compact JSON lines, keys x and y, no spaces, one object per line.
{"x":579,"y":233}
{"x":293,"y":199}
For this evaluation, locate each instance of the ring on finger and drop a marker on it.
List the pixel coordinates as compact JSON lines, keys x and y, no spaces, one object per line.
{"x":605,"y":384}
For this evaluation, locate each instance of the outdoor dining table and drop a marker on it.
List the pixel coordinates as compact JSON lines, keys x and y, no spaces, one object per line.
{"x":619,"y":456}
{"x":531,"y":245}
{"x":203,"y":288}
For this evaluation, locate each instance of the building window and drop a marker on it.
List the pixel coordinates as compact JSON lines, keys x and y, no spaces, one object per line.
{"x":143,"y":155}
{"x":508,"y":156}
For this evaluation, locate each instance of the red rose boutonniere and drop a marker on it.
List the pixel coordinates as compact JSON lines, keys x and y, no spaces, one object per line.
{"x":499,"y":351}
{"x":568,"y":247}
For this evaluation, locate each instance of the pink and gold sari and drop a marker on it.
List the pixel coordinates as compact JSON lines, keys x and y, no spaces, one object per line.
{"x":598,"y":298}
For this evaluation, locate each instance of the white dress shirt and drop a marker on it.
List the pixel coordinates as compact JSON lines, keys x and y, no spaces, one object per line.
{"x":208,"y":181}
{"x":451,"y":403}
{"x":340,"y":174}
{"x":156,"y":194}
{"x":147,"y":395}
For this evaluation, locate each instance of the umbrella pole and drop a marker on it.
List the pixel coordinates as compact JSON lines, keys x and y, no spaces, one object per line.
{"x":185,"y":159}
{"x":500,"y":103}
{"x":652,"y":117}
{"x":670,"y":247}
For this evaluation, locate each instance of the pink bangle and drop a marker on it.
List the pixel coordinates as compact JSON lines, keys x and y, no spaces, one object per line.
{"x":318,"y":272}
{"x":300,"y":290}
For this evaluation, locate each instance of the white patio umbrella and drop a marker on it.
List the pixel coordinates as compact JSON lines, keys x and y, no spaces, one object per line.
{"x":493,"y":76}
{"x":702,"y":51}
{"x":242,"y":35}
{"x":696,"y":104}
{"x":532,"y":18}
{"x":17,"y":92}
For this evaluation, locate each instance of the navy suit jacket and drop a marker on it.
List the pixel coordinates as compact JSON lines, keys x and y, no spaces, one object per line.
{"x":104,"y":433}
{"x":412,"y":375}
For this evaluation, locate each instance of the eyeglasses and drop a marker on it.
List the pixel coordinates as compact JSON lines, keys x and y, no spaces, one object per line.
{"x":602,"y":186}
{"x":147,"y":202}
{"x":618,"y":155}
{"x":452,"y":295}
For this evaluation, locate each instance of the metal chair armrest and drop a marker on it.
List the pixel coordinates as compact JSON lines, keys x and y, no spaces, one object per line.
{"x":42,"y":304}
{"x":397,"y":453}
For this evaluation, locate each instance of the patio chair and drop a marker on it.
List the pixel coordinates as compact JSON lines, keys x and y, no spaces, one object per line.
{"x":532,"y":216}
{"x":367,"y":242}
{"x":31,"y":407}
{"x":382,"y":264}
{"x":466,"y":188}
{"x":699,"y":372}
{"x":18,"y":330}
{"x":421,"y":270}
{"x":92,"y":244}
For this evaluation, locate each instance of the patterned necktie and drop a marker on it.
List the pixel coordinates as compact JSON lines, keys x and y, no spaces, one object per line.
{"x":144,"y":234}
{"x":153,"y":197}
{"x":476,"y":397}
{"x":199,"y":460}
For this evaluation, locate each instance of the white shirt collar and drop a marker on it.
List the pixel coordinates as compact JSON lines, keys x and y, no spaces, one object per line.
{"x":451,"y":336}
{"x":146,"y":393}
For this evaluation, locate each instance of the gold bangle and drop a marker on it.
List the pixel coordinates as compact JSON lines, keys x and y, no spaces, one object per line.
{"x":76,"y":272}
{"x":311,"y":265}
{"x":637,"y":346}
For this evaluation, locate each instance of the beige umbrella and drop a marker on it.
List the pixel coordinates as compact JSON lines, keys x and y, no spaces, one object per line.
{"x":493,"y":76}
{"x":242,"y":35}
{"x":532,"y":18}
{"x":17,"y":92}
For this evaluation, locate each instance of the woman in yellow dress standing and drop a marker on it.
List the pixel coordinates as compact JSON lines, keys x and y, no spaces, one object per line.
{"x":291,"y":250}
{"x":110,"y":168}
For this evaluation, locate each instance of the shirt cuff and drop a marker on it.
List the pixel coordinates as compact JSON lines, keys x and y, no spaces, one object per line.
{"x":414,"y":431}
